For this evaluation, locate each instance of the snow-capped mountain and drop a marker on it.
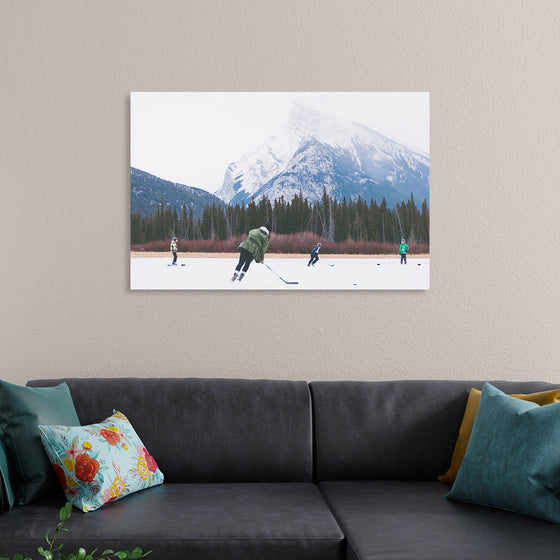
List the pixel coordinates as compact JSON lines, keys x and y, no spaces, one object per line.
{"x":317,"y":150}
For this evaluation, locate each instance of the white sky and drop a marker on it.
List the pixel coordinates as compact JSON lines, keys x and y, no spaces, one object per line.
{"x":191,"y":137}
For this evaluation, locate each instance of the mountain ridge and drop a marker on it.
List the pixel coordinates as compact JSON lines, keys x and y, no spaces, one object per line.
{"x":147,"y":191}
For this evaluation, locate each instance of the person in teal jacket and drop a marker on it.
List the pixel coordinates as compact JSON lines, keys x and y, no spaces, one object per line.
{"x":253,"y":248}
{"x":403,"y":248}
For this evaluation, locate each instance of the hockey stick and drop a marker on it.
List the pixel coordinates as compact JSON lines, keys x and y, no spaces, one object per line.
{"x":285,"y":281}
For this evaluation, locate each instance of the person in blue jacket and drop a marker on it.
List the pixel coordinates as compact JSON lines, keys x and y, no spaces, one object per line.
{"x":314,"y":255}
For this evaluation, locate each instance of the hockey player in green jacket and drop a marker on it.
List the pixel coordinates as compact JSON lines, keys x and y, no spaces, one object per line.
{"x":403,"y":248}
{"x":253,"y":248}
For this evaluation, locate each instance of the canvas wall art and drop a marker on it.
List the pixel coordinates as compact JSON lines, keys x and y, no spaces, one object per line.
{"x":280,"y":191}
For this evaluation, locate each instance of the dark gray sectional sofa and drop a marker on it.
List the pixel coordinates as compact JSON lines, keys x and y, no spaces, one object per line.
{"x":260,"y":469}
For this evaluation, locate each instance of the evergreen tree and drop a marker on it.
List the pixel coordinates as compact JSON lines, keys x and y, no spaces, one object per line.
{"x":137,"y":236}
{"x":383,"y":219}
{"x":425,"y":224}
{"x":252,"y":215}
{"x":342,"y":222}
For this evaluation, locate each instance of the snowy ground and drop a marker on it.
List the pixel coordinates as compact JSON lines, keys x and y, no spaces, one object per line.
{"x":346,"y":274}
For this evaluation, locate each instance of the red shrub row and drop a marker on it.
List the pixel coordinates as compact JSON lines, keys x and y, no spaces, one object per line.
{"x":284,"y":243}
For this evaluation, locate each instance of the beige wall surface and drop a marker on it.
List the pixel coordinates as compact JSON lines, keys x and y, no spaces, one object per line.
{"x":492,"y":69}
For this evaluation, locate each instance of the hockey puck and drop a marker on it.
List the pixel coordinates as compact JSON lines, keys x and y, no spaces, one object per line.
{"x":419,"y":264}
{"x":354,"y":284}
{"x":378,"y":264}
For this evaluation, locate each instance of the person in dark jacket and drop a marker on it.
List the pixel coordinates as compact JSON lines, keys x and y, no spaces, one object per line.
{"x":314,"y":255}
{"x":253,"y":248}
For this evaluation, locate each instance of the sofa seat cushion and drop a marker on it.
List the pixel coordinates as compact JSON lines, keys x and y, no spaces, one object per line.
{"x":412,"y":520}
{"x":192,"y":521}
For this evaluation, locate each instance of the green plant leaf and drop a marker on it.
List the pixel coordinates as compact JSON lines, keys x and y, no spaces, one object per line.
{"x":18,"y":557}
{"x":121,"y":555}
{"x":105,"y":552}
{"x":46,"y":554}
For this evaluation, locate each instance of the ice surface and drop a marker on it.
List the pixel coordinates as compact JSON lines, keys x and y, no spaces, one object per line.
{"x":346,"y":274}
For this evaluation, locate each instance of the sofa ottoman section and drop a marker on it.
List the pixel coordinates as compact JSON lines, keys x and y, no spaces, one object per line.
{"x":411,"y":520}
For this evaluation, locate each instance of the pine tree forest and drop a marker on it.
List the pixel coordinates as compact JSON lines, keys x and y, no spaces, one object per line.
{"x":330,"y":220}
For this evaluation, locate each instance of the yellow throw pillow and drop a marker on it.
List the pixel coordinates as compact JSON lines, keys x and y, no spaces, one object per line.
{"x":541,"y":398}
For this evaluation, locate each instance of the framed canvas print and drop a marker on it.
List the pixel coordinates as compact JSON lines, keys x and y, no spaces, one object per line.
{"x":280,"y":191}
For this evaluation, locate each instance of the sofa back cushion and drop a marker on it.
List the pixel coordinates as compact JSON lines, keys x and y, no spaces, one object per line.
{"x":208,"y":430}
{"x":394,"y":430}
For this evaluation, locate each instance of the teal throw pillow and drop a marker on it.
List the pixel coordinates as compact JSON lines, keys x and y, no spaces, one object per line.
{"x":21,"y":410}
{"x":100,"y":463}
{"x":7,"y":498}
{"x":513,"y":457}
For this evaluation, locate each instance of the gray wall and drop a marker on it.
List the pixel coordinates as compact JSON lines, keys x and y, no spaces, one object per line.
{"x":67,"y":70}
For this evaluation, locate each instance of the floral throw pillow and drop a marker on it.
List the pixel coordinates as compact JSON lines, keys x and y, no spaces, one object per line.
{"x":99,"y":463}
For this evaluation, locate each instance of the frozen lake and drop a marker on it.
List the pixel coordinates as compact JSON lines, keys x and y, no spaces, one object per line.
{"x":214,"y":274}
